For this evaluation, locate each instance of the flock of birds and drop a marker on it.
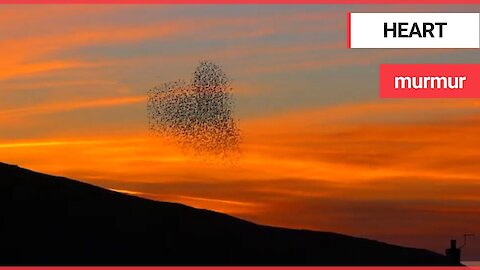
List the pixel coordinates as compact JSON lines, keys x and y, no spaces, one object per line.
{"x":197,"y":115}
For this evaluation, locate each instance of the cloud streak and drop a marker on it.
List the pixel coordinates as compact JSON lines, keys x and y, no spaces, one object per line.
{"x":57,"y":107}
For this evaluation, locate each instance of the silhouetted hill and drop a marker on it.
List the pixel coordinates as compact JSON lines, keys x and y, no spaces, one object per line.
{"x":53,"y":220}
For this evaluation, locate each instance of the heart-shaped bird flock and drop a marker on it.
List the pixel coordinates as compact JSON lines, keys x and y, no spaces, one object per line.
{"x":198,"y":115}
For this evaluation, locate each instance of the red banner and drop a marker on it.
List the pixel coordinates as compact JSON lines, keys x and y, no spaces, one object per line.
{"x":239,"y":1}
{"x":430,"y":81}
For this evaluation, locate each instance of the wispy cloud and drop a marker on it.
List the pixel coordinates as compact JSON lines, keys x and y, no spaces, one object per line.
{"x":56,"y":107}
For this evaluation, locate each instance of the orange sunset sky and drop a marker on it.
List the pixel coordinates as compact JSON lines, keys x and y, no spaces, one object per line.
{"x":320,"y":150}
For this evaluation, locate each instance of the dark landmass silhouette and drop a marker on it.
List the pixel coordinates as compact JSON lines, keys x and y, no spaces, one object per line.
{"x":47,"y":220}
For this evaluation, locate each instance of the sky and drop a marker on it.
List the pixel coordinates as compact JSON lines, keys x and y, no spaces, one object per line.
{"x":320,"y":150}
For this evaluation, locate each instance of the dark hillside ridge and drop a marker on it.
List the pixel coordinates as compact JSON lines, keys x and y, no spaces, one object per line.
{"x":48,"y":220}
